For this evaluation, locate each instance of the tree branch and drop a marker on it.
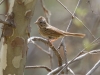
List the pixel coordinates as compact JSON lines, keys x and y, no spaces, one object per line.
{"x":94,"y":68}
{"x":1,"y":2}
{"x":77,"y":19}
{"x":45,"y":41}
{"x":59,"y":69}
{"x":38,"y":66}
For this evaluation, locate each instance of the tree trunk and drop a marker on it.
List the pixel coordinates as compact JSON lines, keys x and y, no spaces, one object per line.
{"x":15,"y":34}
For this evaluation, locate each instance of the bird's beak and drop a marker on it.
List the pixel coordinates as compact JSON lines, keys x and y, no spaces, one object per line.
{"x":36,"y":22}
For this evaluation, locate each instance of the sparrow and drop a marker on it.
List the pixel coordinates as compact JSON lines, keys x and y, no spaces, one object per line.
{"x":52,"y":33}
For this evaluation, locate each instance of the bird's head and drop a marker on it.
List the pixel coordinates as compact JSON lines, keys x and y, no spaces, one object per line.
{"x":41,"y":22}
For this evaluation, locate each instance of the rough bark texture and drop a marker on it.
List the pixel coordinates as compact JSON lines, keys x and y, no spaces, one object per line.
{"x":14,"y":47}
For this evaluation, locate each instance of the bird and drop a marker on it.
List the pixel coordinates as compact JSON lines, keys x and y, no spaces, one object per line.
{"x":52,"y":33}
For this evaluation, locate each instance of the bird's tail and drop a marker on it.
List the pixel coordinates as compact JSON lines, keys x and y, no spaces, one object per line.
{"x":74,"y":34}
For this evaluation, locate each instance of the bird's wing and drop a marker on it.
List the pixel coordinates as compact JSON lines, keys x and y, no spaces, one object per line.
{"x":63,"y":33}
{"x":56,"y":30}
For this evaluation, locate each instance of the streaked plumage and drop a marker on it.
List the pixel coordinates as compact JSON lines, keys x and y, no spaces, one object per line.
{"x":51,"y":32}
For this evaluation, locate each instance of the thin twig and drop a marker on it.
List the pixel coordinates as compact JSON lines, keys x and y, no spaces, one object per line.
{"x":69,"y":24}
{"x":46,"y":12}
{"x":51,"y":57}
{"x":40,"y":48}
{"x":55,"y":71}
{"x":94,"y":68}
{"x":38,"y":66}
{"x":45,"y":41}
{"x":65,"y":54}
{"x":77,"y":57}
{"x":65,"y":7}
{"x":78,"y":54}
{"x":73,"y":14}
{"x":70,"y":62}
{"x":71,"y":71}
{"x":77,"y":19}
{"x":1,"y":2}
{"x":62,"y":41}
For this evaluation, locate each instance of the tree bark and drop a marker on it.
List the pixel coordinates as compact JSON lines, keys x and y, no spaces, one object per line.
{"x":15,"y":34}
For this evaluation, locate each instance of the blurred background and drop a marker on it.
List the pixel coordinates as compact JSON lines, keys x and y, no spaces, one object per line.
{"x":88,"y":12}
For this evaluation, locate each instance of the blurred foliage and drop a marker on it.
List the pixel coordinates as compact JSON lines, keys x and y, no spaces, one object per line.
{"x":88,"y":45}
{"x":81,"y":12}
{"x":77,"y":23}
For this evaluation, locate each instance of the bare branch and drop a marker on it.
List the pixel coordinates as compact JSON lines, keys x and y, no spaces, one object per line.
{"x":69,"y":23}
{"x":65,"y":7}
{"x":50,"y":45}
{"x":1,"y":2}
{"x":38,"y":66}
{"x":51,"y":57}
{"x":85,"y":54}
{"x":73,"y":14}
{"x":71,"y":71}
{"x":78,"y":54}
{"x":65,"y":52}
{"x":77,"y":19}
{"x":94,"y":68}
{"x":40,"y":48}
{"x":62,"y":41}
{"x":58,"y":69}
{"x":46,"y":11}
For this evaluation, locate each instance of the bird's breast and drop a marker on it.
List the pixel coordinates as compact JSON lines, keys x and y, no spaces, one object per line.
{"x":48,"y":33}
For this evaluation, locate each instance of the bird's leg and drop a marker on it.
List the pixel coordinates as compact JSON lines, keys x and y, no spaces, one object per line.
{"x":51,"y":40}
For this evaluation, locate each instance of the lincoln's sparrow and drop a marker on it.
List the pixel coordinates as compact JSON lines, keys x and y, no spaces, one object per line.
{"x":51,"y":32}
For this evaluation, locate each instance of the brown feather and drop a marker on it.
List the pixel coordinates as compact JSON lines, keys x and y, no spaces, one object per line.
{"x":51,"y":32}
{"x":63,"y":33}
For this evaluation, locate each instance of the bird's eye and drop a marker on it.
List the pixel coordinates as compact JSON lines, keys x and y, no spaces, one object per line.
{"x":41,"y":22}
